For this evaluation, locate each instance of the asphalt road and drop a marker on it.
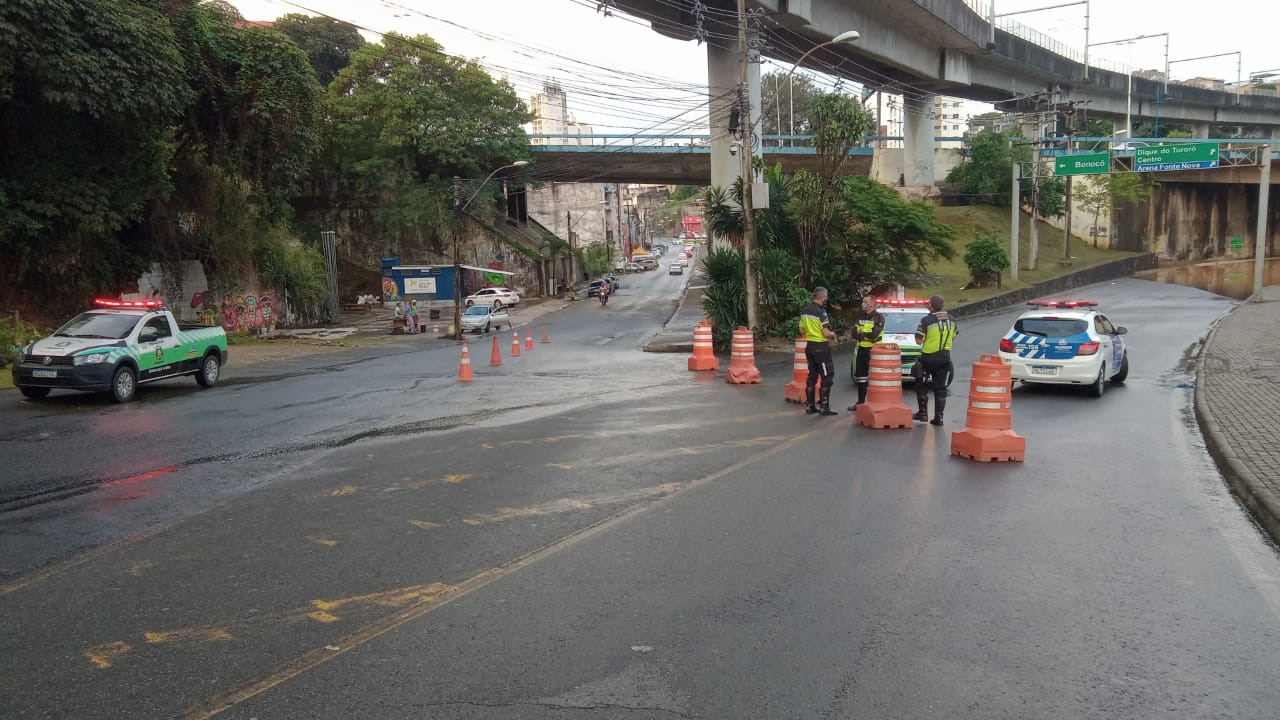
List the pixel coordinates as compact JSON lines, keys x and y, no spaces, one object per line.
{"x":593,"y":531}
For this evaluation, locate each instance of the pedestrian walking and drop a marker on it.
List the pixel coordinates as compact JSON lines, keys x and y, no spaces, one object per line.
{"x":935,"y":334}
{"x":417,"y":319}
{"x":868,"y":332}
{"x":816,"y":325}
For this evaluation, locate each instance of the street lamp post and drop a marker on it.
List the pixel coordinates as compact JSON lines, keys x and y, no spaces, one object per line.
{"x":847,"y":36}
{"x":1128,"y":120}
{"x":459,"y":207}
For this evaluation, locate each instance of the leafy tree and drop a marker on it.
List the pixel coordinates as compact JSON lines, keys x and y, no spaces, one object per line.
{"x":986,"y":255}
{"x":1103,"y":192}
{"x":595,"y":258}
{"x":886,"y":238}
{"x":986,"y":175}
{"x":328,"y":43}
{"x":403,"y":119}
{"x":840,"y":123}
{"x":778,"y":98}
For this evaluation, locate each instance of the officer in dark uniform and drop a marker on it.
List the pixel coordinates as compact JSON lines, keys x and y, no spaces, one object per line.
{"x":816,"y":326}
{"x":935,"y":334}
{"x":868,"y":332}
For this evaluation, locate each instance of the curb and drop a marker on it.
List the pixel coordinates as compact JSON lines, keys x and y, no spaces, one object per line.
{"x":1261,"y":502}
{"x":1123,"y":267}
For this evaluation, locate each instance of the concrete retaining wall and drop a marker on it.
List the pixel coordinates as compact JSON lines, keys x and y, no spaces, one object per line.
{"x":1080,"y":278}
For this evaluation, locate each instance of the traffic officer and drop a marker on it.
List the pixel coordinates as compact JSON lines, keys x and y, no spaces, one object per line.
{"x":935,"y":334}
{"x":816,"y":325}
{"x":868,"y":332}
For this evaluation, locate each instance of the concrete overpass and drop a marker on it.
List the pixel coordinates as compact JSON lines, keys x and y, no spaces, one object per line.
{"x":919,"y":48}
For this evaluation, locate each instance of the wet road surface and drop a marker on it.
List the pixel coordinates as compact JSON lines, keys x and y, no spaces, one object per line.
{"x":593,"y":531}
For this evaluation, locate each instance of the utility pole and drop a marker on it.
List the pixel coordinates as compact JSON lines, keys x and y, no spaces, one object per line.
{"x":747,"y":128}
{"x":1015,"y":203}
{"x":457,"y":258}
{"x":1260,"y":241}
{"x":1066,"y":225}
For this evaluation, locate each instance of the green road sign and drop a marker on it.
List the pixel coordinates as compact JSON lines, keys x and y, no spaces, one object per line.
{"x":1084,"y":164}
{"x":1179,"y":156}
{"x":1237,"y":242}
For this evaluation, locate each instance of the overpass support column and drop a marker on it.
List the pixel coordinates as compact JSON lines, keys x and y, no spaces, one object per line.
{"x":723,"y":73}
{"x":1200,"y":130}
{"x":917,"y":140}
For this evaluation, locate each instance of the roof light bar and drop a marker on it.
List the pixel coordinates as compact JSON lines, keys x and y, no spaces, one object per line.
{"x":904,"y":302}
{"x":1062,"y":303}
{"x":113,"y":303}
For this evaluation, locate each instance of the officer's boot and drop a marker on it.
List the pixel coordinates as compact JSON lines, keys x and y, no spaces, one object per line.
{"x":923,"y":415}
{"x":862,"y":396}
{"x":939,"y":404}
{"x":825,"y":407}
{"x":810,"y":407}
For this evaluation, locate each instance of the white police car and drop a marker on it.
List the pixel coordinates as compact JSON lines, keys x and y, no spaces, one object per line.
{"x":1066,"y":342}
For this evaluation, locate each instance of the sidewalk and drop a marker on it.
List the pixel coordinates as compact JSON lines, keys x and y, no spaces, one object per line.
{"x":1238,"y":404}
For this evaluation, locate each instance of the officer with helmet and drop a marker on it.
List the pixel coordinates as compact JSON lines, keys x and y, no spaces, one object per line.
{"x":935,"y":335}
{"x":868,"y":332}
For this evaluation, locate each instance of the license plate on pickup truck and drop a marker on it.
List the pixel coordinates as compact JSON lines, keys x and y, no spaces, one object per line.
{"x":1044,"y":370}
{"x":44,"y":373}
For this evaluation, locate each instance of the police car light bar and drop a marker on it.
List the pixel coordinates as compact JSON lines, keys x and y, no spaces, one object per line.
{"x":1062,"y":303}
{"x":113,"y":303}
{"x":906,"y":302}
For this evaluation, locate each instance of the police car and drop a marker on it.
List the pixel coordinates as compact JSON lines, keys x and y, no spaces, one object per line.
{"x":1066,"y":342}
{"x":900,"y":320}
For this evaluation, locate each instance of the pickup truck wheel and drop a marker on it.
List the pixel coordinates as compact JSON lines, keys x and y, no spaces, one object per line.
{"x":209,"y":370}
{"x":123,"y":384}
{"x":35,"y":393}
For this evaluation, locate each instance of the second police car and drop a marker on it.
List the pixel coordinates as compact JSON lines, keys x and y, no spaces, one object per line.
{"x":1066,"y":342}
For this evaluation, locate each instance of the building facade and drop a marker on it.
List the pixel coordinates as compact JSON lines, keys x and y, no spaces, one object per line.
{"x":551,"y":116}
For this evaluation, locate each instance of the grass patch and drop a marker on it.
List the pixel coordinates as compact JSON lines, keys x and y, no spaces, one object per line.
{"x":946,"y":277}
{"x":6,"y":379}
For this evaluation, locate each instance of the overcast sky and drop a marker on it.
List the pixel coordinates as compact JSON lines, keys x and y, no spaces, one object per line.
{"x":610,"y":64}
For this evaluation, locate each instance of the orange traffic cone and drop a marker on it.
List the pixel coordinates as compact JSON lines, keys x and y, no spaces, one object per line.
{"x":464,"y":369}
{"x":884,"y":407}
{"x":528,"y":338}
{"x":515,"y":344}
{"x":544,"y":336}
{"x":799,"y":374}
{"x":704,"y":357}
{"x":742,"y":360}
{"x":988,"y":434}
{"x":495,"y":357}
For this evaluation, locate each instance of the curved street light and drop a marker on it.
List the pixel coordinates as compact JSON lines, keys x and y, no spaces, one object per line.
{"x":458,"y":208}
{"x":848,"y":36}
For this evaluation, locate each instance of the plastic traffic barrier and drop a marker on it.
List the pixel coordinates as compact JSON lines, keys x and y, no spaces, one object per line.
{"x":528,"y":338}
{"x":988,"y":434}
{"x":799,"y":374}
{"x":704,"y":357}
{"x":742,"y":359}
{"x":464,"y":367}
{"x":495,"y":357}
{"x":515,"y":344}
{"x":544,"y":339}
{"x":884,"y":407}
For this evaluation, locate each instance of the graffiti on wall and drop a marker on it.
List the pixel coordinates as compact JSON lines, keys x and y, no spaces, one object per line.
{"x":389,"y":289}
{"x":243,"y":313}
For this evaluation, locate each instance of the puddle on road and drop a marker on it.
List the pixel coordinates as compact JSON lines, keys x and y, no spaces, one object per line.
{"x":1233,"y":278}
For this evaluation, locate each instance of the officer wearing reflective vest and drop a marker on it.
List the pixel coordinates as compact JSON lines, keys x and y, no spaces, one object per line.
{"x":816,"y":326}
{"x":868,"y":332}
{"x":935,"y":334}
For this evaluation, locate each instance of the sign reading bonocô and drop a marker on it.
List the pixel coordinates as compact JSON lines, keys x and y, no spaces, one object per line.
{"x":1083,"y":164}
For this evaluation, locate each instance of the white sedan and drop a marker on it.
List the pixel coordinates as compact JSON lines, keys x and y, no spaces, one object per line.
{"x":493,"y":297}
{"x":482,"y":318}
{"x":1066,"y":342}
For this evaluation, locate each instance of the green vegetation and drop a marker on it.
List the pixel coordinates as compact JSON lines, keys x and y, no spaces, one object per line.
{"x":139,"y":132}
{"x":986,"y":176}
{"x":13,"y":335}
{"x":968,"y":223}
{"x":985,"y":255}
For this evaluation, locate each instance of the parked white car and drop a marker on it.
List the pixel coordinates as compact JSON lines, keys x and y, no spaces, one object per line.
{"x":483,"y":318}
{"x":494,"y":297}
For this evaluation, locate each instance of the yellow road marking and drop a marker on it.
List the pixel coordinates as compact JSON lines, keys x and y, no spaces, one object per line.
{"x":457,"y":478}
{"x":425,"y":524}
{"x":322,"y":616}
{"x":102,"y":655}
{"x":321,"y":655}
{"x":323,"y":541}
{"x":570,"y":504}
{"x":344,"y":490}
{"x":137,"y":568}
{"x":212,"y":634}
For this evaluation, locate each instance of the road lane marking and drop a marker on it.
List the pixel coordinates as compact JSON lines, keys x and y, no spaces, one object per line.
{"x":138,"y":568}
{"x":571,"y":504}
{"x":102,"y":655}
{"x":313,"y":659}
{"x":457,"y":478}
{"x":188,"y":635}
{"x":344,"y":490}
{"x":323,"y":541}
{"x":425,"y":524}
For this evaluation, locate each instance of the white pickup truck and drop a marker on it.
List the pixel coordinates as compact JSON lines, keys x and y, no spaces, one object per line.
{"x":116,"y":346}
